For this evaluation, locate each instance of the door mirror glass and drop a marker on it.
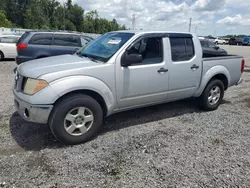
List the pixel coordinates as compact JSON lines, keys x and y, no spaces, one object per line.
{"x":130,"y":59}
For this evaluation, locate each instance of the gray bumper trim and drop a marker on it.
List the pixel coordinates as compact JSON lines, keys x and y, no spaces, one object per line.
{"x":36,"y":113}
{"x":240,"y":81}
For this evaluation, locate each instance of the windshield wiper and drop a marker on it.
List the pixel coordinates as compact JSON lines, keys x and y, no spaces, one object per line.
{"x":88,"y":56}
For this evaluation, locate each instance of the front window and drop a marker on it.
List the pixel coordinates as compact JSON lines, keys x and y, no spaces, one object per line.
{"x":104,"y":47}
{"x":246,"y":39}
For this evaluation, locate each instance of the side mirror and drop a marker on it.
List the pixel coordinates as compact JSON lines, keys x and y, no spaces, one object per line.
{"x":130,"y":59}
{"x":217,"y":47}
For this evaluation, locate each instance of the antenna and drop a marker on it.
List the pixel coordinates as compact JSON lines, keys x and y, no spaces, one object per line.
{"x":133,"y":22}
{"x":190,"y":24}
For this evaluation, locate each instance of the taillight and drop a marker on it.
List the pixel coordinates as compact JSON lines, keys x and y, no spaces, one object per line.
{"x":242,"y":65}
{"x":21,"y":46}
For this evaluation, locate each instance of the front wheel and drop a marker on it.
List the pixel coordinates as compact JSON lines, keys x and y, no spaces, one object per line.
{"x":212,"y":95}
{"x":1,"y":56}
{"x":76,"y":119}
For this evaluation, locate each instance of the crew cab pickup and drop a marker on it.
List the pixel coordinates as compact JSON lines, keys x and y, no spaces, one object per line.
{"x":120,"y":71}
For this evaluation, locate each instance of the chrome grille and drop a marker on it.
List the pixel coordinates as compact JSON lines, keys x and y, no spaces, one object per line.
{"x":18,"y":81}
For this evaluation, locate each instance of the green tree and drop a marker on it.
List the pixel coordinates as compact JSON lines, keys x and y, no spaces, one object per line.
{"x":4,"y":22}
{"x":50,"y":14}
{"x":69,"y":25}
{"x":76,"y":17}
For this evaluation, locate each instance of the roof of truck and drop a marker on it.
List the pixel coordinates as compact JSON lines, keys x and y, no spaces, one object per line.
{"x":148,"y":31}
{"x":169,"y":33}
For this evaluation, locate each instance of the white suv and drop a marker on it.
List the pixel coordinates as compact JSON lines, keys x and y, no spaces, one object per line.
{"x":220,"y":41}
{"x":8,"y":46}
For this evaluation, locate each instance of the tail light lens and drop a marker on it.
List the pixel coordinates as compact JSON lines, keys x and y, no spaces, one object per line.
{"x":242,"y":65}
{"x":21,"y":46}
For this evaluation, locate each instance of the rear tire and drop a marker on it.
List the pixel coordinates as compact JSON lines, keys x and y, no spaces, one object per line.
{"x":1,"y":56}
{"x":212,"y":95}
{"x":76,"y":119}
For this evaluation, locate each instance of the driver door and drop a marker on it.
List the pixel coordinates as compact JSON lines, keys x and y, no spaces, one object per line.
{"x":145,"y":82}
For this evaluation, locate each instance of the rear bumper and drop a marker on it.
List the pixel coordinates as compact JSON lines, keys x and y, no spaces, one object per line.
{"x":33,"y":113}
{"x":240,"y":81}
{"x":22,"y":59}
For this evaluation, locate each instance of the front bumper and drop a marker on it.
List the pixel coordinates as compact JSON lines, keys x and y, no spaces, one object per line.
{"x":33,"y":113}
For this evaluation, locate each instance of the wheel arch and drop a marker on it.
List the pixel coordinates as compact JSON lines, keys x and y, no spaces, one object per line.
{"x":87,"y":85}
{"x":217,"y":72}
{"x":88,"y":92}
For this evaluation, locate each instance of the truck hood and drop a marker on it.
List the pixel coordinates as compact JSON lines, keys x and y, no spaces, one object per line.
{"x":36,"y":68}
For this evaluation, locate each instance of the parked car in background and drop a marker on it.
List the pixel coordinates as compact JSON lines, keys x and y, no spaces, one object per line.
{"x":211,"y":50}
{"x":220,"y":41}
{"x":37,"y":44}
{"x":246,"y":41}
{"x":235,"y":41}
{"x":120,"y":71}
{"x":8,"y":46}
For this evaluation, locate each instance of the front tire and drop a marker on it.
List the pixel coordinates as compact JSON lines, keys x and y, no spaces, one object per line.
{"x":76,"y":119}
{"x":1,"y":56}
{"x":212,"y":95}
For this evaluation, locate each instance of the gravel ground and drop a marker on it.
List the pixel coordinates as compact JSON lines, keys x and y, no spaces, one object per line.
{"x":170,"y":145}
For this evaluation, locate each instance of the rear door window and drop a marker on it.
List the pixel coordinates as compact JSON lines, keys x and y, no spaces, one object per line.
{"x":182,"y":49}
{"x":41,"y":39}
{"x":67,"y":40}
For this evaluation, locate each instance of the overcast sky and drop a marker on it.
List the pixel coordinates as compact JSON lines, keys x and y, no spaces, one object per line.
{"x":215,"y":17}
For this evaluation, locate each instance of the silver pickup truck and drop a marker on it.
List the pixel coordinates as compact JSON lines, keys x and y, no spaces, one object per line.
{"x":116,"y":72}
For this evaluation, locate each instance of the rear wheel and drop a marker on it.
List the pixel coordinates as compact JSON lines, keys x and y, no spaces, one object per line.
{"x":76,"y":119}
{"x":1,"y":56}
{"x":212,"y":95}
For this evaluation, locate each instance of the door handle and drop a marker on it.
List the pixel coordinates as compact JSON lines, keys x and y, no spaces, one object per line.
{"x":162,"y":70}
{"x":195,"y":66}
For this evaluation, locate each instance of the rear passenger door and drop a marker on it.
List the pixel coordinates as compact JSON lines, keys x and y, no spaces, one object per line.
{"x":39,"y":45}
{"x":65,"y":44}
{"x":185,"y":68}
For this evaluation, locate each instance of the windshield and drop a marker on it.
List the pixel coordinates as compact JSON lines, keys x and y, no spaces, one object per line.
{"x":104,"y":47}
{"x":246,"y":39}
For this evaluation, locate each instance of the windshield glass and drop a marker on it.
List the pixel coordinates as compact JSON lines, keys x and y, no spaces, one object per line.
{"x":246,"y":39}
{"x":104,"y":47}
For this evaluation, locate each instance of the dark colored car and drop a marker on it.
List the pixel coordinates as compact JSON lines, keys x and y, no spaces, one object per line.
{"x":37,"y":44}
{"x":246,"y":41}
{"x":211,"y":50}
{"x":235,"y":41}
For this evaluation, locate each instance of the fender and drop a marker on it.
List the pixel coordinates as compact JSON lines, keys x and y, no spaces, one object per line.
{"x":74,"y":83}
{"x":219,"y":69}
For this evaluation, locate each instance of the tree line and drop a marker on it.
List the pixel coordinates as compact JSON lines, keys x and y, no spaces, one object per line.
{"x":50,"y":14}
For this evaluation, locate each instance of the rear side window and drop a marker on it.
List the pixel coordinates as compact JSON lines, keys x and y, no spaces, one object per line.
{"x":211,"y":44}
{"x":204,"y":43}
{"x":8,"y":40}
{"x":23,"y":37}
{"x":41,"y":39}
{"x":182,"y":49}
{"x":67,"y":40}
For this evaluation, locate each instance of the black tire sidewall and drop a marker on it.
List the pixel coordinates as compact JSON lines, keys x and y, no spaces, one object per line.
{"x":204,"y":98}
{"x":1,"y":56}
{"x":64,"y":107}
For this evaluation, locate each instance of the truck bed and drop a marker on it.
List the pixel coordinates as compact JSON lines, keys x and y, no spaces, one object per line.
{"x":222,"y":57}
{"x":232,"y":63}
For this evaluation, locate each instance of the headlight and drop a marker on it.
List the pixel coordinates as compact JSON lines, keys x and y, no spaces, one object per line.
{"x":32,"y":86}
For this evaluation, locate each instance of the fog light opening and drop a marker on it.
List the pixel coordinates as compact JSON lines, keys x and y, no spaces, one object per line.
{"x":26,"y":113}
